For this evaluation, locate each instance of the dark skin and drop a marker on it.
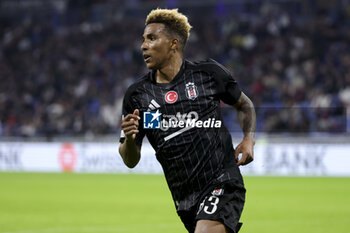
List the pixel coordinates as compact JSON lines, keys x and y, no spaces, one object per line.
{"x":164,"y":54}
{"x":247,"y":120}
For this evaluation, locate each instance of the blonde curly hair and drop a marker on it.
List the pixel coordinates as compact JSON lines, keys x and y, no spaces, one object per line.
{"x":175,"y":23}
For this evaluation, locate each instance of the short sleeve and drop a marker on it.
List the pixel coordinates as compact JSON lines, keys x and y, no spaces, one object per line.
{"x":129,"y":105}
{"x":227,"y":88}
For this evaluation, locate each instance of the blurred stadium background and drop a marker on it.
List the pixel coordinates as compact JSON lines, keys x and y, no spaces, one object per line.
{"x":64,"y":68}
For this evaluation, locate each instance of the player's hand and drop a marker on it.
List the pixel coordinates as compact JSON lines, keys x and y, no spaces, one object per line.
{"x":246,"y":148}
{"x":130,"y":125}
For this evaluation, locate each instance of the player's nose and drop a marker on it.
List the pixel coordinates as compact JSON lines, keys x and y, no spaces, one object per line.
{"x":144,"y":46}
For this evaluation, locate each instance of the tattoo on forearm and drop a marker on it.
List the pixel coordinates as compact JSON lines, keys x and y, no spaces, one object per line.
{"x":247,"y":116}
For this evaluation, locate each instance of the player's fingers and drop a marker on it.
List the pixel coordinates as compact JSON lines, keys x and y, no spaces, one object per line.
{"x":131,"y":116}
{"x":136,"y":113}
{"x":237,"y":152}
{"x":246,"y":158}
{"x":237,"y":156}
{"x":129,"y":123}
{"x":243,"y":159}
{"x":129,"y":128}
{"x":134,"y":122}
{"x":131,"y":132}
{"x":250,"y":158}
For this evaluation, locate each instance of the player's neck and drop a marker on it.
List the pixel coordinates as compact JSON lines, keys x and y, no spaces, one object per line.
{"x":168,"y":73}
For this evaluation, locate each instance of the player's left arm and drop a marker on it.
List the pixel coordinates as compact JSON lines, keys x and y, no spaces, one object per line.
{"x":247,"y":120}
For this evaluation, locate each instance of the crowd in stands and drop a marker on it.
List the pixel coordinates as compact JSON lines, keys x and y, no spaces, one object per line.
{"x":65,"y":73}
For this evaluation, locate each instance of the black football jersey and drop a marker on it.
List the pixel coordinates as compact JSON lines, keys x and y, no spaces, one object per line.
{"x":182,"y":121}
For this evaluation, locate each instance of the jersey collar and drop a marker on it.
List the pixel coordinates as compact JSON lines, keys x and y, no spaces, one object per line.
{"x":152,"y":76}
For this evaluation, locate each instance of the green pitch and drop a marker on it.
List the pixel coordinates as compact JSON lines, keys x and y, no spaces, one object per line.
{"x":84,"y":203}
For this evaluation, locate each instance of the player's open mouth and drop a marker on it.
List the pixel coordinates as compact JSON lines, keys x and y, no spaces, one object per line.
{"x":146,"y":57}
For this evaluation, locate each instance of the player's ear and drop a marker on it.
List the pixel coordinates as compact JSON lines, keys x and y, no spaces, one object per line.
{"x":174,"y":44}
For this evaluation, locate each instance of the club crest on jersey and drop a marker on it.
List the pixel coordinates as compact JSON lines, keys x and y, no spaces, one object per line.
{"x":191,"y":91}
{"x":217,"y":192}
{"x":171,"y":97}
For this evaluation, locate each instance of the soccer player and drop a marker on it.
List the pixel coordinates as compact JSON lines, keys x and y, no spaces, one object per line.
{"x":177,"y":107}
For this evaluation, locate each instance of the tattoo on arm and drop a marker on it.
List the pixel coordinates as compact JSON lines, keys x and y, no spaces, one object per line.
{"x":246,"y":115}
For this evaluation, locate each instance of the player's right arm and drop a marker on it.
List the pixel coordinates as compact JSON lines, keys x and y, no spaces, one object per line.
{"x":129,"y":150}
